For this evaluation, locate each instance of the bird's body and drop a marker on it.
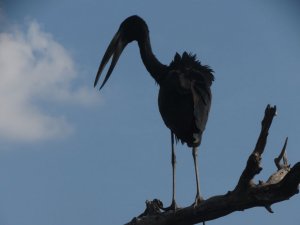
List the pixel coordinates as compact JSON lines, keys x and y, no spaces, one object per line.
{"x":184,"y":98}
{"x":184,"y":88}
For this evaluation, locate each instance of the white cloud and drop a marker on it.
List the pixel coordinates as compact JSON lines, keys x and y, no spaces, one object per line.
{"x":36,"y":70}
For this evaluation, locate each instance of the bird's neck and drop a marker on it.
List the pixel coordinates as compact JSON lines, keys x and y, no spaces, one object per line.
{"x":152,"y":64}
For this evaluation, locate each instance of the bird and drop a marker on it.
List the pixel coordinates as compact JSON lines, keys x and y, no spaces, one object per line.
{"x":184,"y":97}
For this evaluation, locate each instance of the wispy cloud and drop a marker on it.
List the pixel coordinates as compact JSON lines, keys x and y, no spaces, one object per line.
{"x":36,"y":70}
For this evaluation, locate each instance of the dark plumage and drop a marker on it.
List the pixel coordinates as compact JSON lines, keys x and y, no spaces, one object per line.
{"x":184,"y":96}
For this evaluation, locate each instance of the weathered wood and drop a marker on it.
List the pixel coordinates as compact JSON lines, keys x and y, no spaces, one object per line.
{"x":281,"y":185}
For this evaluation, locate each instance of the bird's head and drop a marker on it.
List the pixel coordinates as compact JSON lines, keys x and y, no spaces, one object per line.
{"x":132,"y":28}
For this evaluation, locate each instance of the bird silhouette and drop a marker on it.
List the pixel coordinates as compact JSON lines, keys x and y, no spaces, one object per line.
{"x":184,"y":98}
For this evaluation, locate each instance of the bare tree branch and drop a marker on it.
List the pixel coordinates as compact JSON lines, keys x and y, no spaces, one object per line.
{"x":282,"y":156}
{"x":281,"y":185}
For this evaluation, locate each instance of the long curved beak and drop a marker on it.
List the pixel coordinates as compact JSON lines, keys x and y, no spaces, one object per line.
{"x":114,"y":50}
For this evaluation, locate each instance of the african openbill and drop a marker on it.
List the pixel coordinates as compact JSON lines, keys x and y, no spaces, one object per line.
{"x":184,"y":96}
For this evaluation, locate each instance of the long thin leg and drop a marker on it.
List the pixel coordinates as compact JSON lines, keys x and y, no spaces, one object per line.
{"x":198,"y":196}
{"x":173,"y":160}
{"x":173,"y":205}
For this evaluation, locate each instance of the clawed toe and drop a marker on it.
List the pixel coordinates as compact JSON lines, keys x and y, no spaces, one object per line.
{"x":172,"y":207}
{"x":198,"y":201}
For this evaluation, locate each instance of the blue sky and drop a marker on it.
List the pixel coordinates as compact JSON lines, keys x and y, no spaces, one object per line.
{"x":71,"y":155}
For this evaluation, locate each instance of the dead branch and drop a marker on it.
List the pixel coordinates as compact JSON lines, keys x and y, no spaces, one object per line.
{"x":281,"y":185}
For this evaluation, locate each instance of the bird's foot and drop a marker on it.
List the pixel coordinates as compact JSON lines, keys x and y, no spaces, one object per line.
{"x":172,"y":207}
{"x":198,"y":201}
